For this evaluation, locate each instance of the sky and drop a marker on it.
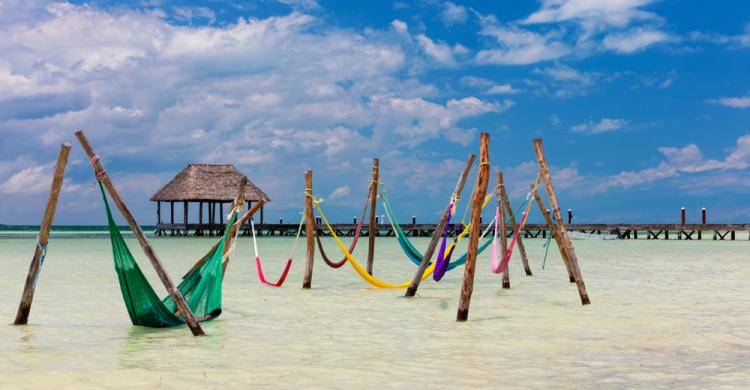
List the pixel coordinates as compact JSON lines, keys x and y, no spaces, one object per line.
{"x":643,"y":105}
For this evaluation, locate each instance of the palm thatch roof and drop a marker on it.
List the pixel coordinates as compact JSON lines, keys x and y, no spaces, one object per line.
{"x":208,"y":182}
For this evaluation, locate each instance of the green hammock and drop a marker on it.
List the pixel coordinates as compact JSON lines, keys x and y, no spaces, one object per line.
{"x":201,"y":287}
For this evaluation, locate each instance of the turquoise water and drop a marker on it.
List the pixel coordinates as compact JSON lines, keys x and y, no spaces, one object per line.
{"x":670,"y":314}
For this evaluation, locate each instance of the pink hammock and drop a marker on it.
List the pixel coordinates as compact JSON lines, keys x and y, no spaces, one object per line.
{"x":288,"y":266}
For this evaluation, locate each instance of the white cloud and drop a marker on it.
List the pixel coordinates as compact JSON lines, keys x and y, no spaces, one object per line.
{"x":441,"y":52}
{"x":453,"y":14}
{"x":288,"y":91}
{"x":417,"y":119}
{"x":188,"y":14}
{"x":29,"y":180}
{"x":603,"y":126}
{"x":618,"y":13}
{"x":634,"y":40}
{"x":734,"y":102}
{"x":340,"y":192}
{"x":502,"y":89}
{"x":301,"y":4}
{"x":519,"y":47}
{"x":400,"y":27}
{"x":736,"y":41}
{"x":489,"y":87}
{"x":476,"y":82}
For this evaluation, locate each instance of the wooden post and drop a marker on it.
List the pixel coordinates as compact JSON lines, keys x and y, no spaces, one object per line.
{"x":185,"y":211}
{"x":373,"y":205}
{"x":262,"y":217}
{"x":568,"y":245}
{"x":176,"y":295}
{"x":555,"y":234}
{"x":414,"y":285}
{"x":239,"y":200}
{"x":480,"y":190}
{"x":22,"y":316}
{"x":413,"y":219}
{"x":570,"y":216}
{"x":682,"y":222}
{"x":514,"y":225}
{"x":703,"y":215}
{"x":158,"y":212}
{"x":171,"y":212}
{"x":499,"y":192}
{"x":221,"y":213}
{"x":309,"y":230}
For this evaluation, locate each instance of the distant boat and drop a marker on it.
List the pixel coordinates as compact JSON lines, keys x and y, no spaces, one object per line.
{"x":591,"y":236}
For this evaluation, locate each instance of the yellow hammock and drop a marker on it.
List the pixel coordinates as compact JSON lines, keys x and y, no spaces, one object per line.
{"x":361,"y":270}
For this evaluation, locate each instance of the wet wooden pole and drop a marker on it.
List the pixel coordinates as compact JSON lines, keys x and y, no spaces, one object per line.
{"x":414,"y":285}
{"x":176,"y":295}
{"x":24,"y":308}
{"x":554,"y":232}
{"x":514,"y":226}
{"x":499,"y":191}
{"x":480,"y":190}
{"x":309,"y":230}
{"x":563,"y":232}
{"x":372,"y":227}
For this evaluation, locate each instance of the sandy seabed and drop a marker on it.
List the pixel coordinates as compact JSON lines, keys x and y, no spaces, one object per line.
{"x":664,"y":314}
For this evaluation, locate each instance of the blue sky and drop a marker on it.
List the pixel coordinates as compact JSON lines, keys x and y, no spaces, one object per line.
{"x":643,"y":105}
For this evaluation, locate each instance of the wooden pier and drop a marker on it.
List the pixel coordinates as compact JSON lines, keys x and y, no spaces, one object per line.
{"x":625,"y":231}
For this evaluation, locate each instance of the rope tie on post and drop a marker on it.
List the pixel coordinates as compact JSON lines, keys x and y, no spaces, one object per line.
{"x":40,"y":259}
{"x":309,"y":194}
{"x":98,"y":174}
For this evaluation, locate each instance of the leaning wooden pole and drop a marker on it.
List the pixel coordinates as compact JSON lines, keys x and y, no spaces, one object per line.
{"x":555,"y":234}
{"x":499,"y":191}
{"x":22,"y":316}
{"x":514,"y":226}
{"x":414,"y":285}
{"x":239,"y":204}
{"x":232,"y":230}
{"x":567,"y":244}
{"x":372,"y":228}
{"x":176,"y":295}
{"x":309,"y":230}
{"x":480,"y":190}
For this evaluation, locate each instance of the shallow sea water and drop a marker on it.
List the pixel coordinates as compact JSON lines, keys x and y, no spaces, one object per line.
{"x":664,"y":314}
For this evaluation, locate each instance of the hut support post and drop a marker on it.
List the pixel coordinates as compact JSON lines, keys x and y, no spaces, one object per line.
{"x":372,"y":227}
{"x":158,"y":211}
{"x":262,"y":217}
{"x":309,"y":231}
{"x":412,"y":290}
{"x":176,"y":295}
{"x":499,"y":192}
{"x":514,"y":226}
{"x":480,"y":190}
{"x":568,"y":245}
{"x":185,"y":212}
{"x":555,"y":234}
{"x":24,"y":308}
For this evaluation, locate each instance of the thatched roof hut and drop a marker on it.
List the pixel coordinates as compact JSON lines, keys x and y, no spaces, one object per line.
{"x":210,"y":184}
